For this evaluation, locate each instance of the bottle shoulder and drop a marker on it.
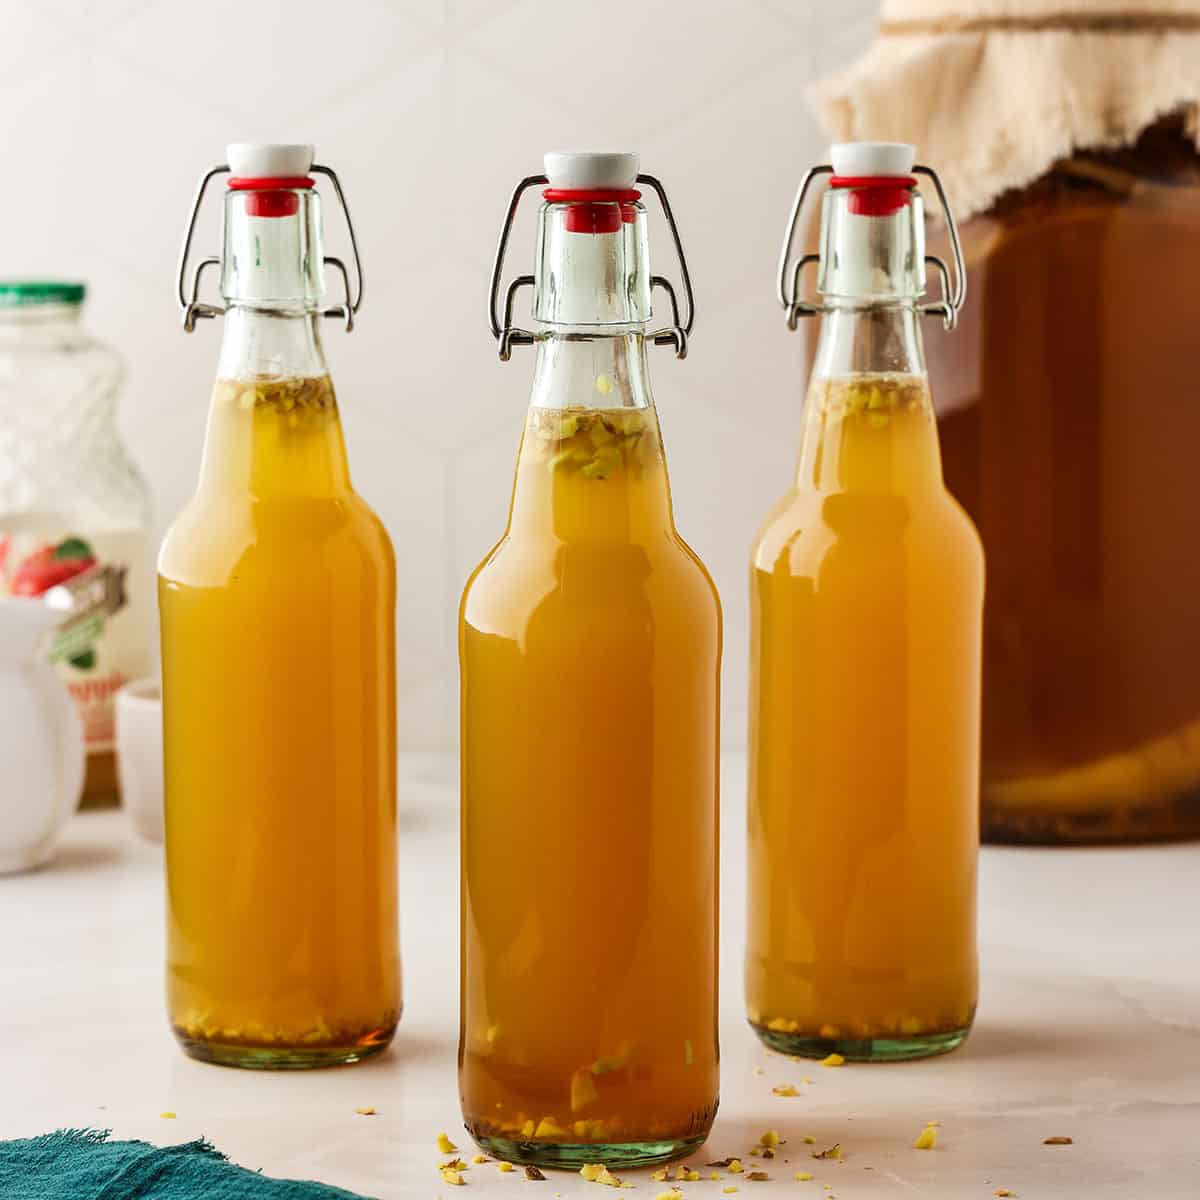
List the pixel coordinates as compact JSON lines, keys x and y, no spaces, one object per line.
{"x":519,"y":575}
{"x":212,"y":534}
{"x":805,"y":525}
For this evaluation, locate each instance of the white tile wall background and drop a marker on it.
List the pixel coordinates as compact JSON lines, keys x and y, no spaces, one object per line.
{"x":431,"y":111}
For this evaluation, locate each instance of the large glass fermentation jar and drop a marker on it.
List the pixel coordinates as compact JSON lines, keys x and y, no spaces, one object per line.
{"x":73,"y":508}
{"x":1066,"y":402}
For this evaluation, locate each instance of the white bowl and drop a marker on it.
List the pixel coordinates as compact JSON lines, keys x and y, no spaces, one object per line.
{"x":140,"y":755}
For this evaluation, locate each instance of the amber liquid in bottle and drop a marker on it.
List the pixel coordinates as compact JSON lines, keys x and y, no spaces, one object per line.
{"x":590,"y":650}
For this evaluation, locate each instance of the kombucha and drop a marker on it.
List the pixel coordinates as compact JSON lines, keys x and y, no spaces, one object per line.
{"x":590,"y":645}
{"x":866,"y":589}
{"x":276,"y":594}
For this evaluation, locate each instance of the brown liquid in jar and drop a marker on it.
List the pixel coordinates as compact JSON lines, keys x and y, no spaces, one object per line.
{"x":1069,"y":412}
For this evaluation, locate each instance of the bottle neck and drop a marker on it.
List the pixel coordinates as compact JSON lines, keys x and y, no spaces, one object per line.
{"x":591,"y":370}
{"x":868,"y":419}
{"x":273,"y":426}
{"x":591,"y":466}
{"x":269,"y":343}
{"x":876,"y":339}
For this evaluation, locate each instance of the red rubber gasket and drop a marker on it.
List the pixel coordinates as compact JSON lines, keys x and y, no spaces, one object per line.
{"x":239,"y":183}
{"x":855,"y":181}
{"x":595,"y":195}
{"x":876,"y":195}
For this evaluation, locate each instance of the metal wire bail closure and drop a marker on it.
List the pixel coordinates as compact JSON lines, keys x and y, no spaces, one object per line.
{"x":189,"y":297}
{"x":508,"y":335}
{"x":787,"y":284}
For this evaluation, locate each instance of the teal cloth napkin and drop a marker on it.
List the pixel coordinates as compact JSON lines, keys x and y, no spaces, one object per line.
{"x":82,"y":1164}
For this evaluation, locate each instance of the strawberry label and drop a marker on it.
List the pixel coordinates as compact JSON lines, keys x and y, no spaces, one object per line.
{"x":100,"y":586}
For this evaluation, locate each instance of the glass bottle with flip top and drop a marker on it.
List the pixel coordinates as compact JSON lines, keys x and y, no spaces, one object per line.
{"x":277,"y":598}
{"x":590,"y":641}
{"x":866,"y":610}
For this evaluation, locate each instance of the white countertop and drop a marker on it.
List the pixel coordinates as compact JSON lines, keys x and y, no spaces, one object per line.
{"x":1089,"y":1026}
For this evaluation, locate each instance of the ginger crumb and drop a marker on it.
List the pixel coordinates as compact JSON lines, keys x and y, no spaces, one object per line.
{"x":729,"y":1190}
{"x":660,"y":1175}
{"x":926,"y":1139}
{"x":758,"y":1176}
{"x":1058,"y":1141}
{"x":167,"y":1116}
{"x":715,"y":1175}
{"x":806,"y":1079}
{"x":479,"y":1158}
{"x":599,"y":1173}
{"x":735,"y":1166}
{"x":366,"y":1111}
{"x":1003,"y":1192}
{"x":834,"y":1151}
{"x":770,"y":1138}
{"x":670,"y":1194}
{"x":504,"y":1166}
{"x":809,"y":1140}
{"x":451,"y":1176}
{"x":445,"y":1145}
{"x":785,"y":1089}
{"x":832,"y":1060}
{"x":802,"y":1176}
{"x":759,"y":1071}
{"x":455,"y":1164}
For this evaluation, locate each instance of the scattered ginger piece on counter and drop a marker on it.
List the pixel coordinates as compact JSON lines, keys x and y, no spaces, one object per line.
{"x":445,"y":1145}
{"x":926,"y":1139}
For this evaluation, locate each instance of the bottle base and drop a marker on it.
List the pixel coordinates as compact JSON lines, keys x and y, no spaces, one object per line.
{"x":570,"y":1156}
{"x":900,"y":1048}
{"x":283,"y":1058}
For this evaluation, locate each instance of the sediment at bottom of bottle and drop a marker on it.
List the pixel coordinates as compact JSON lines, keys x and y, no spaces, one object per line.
{"x":855,"y":1029}
{"x":614,"y":1142}
{"x":321,"y":1036}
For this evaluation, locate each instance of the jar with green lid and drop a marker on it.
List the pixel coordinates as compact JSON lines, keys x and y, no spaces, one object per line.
{"x":74,"y":510}
{"x":1068,"y":419}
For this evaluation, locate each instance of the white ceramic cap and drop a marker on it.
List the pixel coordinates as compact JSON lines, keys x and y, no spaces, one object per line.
{"x":588,"y":169}
{"x":872,"y":158}
{"x":269,"y":160}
